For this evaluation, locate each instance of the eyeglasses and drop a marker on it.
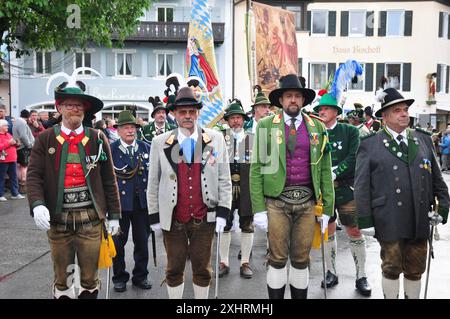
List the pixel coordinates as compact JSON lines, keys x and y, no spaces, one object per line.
{"x":72,"y":106}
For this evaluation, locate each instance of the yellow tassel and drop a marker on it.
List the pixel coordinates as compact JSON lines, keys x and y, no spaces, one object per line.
{"x":317,"y":231}
{"x":107,"y":252}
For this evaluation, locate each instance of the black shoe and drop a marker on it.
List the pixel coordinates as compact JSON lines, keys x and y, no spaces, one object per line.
{"x":332,"y":280}
{"x":363,"y":287}
{"x":88,"y":295}
{"x":223,"y":270}
{"x":246,"y":271}
{"x":144,"y":284}
{"x":120,"y":286}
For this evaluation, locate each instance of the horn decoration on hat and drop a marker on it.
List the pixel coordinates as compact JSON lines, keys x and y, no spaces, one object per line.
{"x":344,"y":74}
{"x":175,"y":81}
{"x":155,"y":101}
{"x":256,"y":89}
{"x":71,"y":79}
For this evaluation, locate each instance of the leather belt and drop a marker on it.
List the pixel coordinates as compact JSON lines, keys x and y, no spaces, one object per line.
{"x":296,"y":195}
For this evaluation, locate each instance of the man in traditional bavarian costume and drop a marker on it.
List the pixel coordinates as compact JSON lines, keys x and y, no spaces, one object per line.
{"x":260,"y":109}
{"x":397,"y":183}
{"x":356,"y":118}
{"x":371,"y":122}
{"x":188,"y":194}
{"x":72,"y":189}
{"x":344,"y":141}
{"x":239,"y":145}
{"x":160,"y":124}
{"x":131,"y":158}
{"x":290,"y":172}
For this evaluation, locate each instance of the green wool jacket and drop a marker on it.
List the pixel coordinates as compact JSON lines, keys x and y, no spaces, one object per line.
{"x":344,"y":141}
{"x":268,"y":167}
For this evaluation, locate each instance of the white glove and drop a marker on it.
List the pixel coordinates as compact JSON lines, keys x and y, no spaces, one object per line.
{"x":220,"y":224}
{"x":113,"y":227}
{"x":325,"y":219}
{"x":435,"y":218}
{"x":333,"y":174}
{"x":155,"y":227}
{"x":260,"y":220}
{"x":42,"y":217}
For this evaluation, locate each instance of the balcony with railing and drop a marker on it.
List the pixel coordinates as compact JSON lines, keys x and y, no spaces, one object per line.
{"x":171,"y":32}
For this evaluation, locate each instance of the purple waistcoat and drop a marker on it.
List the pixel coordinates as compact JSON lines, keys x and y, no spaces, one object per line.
{"x":298,"y":168}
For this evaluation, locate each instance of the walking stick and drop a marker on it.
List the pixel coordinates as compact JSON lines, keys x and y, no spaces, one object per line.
{"x":108,"y":279}
{"x":216,"y":294}
{"x":322,"y":248}
{"x":430,"y":255}
{"x":154,"y":247}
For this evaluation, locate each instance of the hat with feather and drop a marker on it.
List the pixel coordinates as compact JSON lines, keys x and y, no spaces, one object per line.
{"x":260,"y":98}
{"x":177,"y":85}
{"x":157,"y":105}
{"x":388,"y":96}
{"x":75,"y":89}
{"x":346,"y":72}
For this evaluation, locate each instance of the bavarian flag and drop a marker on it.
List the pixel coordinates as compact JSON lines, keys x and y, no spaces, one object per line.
{"x":201,"y":62}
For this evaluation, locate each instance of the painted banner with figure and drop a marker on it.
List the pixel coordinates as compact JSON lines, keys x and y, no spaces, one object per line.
{"x":276,"y":44}
{"x":201,"y":62}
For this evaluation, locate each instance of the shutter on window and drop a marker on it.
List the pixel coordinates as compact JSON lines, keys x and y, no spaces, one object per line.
{"x":382,"y":25}
{"x":95,"y":61}
{"x":136,"y":67}
{"x":408,"y":23}
{"x":441,"y":24}
{"x":332,"y":23}
{"x":344,"y":23}
{"x":438,"y":78}
{"x":110,"y":64}
{"x":379,"y":74}
{"x":368,"y":80}
{"x":331,"y":69}
{"x":447,"y":79}
{"x":370,"y":23}
{"x":406,"y":85}
{"x":308,"y":27}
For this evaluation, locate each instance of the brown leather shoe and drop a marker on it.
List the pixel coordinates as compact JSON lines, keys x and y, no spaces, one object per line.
{"x":246,"y":271}
{"x":223,"y":270}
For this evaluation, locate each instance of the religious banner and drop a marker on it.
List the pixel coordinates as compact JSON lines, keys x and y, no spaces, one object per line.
{"x":276,"y":44}
{"x":201,"y":62}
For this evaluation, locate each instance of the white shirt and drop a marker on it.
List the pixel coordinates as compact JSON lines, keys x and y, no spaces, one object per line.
{"x":67,"y":131}
{"x":125,"y":145}
{"x":239,"y":136}
{"x":298,"y":121}
{"x":333,"y":126}
{"x":395,"y":134}
{"x":182,"y":137}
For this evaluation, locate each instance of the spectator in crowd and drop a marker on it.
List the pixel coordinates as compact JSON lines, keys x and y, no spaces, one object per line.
{"x":8,"y":158}
{"x":445,"y":150}
{"x":34,"y":124}
{"x":112,"y":131}
{"x":436,"y":138}
{"x":4,"y":117}
{"x":23,"y":135}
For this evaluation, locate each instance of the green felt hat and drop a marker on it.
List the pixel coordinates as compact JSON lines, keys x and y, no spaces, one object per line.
{"x":63,"y":92}
{"x":328,"y":100}
{"x":126,"y":117}
{"x":235,"y":107}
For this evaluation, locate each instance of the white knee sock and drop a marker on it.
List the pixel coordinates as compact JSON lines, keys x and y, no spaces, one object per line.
{"x":224,"y":247}
{"x":201,"y":292}
{"x":358,"y":250}
{"x":298,"y":278}
{"x":330,"y":253}
{"x":390,"y":288}
{"x":176,"y":292}
{"x":69,"y":292}
{"x":411,"y":288}
{"x":276,"y":278}
{"x":246,"y":247}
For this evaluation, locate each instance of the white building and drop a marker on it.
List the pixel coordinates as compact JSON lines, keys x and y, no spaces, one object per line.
{"x":405,"y":40}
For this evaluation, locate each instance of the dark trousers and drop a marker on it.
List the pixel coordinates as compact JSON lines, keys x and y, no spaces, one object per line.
{"x":138,"y":219}
{"x":11,"y":169}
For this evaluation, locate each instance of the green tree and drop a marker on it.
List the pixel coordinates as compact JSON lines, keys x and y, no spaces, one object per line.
{"x":66,"y":24}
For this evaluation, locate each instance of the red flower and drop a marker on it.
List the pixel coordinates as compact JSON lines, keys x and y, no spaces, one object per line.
{"x":322,"y":92}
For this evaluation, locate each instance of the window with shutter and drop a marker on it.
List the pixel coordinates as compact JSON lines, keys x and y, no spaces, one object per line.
{"x":357,"y":23}
{"x":319,"y":76}
{"x":319,"y":22}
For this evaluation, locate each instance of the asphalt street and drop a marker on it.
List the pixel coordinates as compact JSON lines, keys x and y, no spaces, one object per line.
{"x":26,"y":267}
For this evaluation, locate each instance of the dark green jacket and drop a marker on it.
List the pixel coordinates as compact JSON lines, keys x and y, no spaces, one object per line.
{"x":149,"y":131}
{"x":344,"y":140}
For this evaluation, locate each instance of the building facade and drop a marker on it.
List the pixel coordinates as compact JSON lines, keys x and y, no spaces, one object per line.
{"x":130,"y":74}
{"x":408,"y":42}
